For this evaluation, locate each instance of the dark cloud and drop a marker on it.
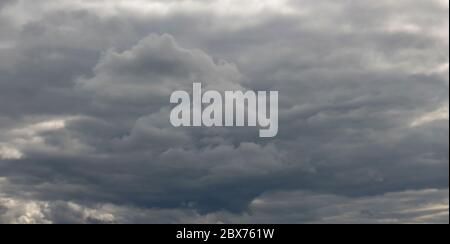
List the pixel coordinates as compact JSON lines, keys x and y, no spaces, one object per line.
{"x":427,"y":206}
{"x":84,"y":112}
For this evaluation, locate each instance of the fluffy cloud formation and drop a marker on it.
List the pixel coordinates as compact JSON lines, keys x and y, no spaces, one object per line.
{"x":426,"y":206}
{"x":150,"y":71}
{"x":84,"y":111}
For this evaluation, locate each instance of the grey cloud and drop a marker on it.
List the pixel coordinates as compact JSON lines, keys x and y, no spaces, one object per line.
{"x":5,"y":2}
{"x":426,"y":206}
{"x":351,"y":85}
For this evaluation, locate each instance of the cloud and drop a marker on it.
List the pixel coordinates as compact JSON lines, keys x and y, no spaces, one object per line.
{"x":152,"y":69}
{"x":84,"y":111}
{"x":440,"y":114}
{"x":7,"y":152}
{"x":426,"y":206}
{"x":400,"y":207}
{"x":167,"y":8}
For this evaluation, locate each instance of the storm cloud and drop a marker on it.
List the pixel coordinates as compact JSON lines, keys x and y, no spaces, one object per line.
{"x":85,"y":135}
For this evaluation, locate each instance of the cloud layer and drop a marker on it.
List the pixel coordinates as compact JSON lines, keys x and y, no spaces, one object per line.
{"x":84,"y":111}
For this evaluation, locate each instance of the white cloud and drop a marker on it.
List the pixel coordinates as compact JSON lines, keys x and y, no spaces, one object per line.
{"x":429,"y":206}
{"x":9,"y":152}
{"x":34,"y":129}
{"x":220,"y":7}
{"x":440,"y":114}
{"x":16,"y":142}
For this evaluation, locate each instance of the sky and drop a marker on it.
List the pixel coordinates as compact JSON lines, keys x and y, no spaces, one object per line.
{"x":85,"y":135}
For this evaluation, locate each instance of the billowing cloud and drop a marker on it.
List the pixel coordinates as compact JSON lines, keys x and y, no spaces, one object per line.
{"x":426,"y":206}
{"x":84,"y":111}
{"x":149,"y":72}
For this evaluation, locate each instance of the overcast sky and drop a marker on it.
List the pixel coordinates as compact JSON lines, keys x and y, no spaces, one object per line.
{"x":85,"y":135}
